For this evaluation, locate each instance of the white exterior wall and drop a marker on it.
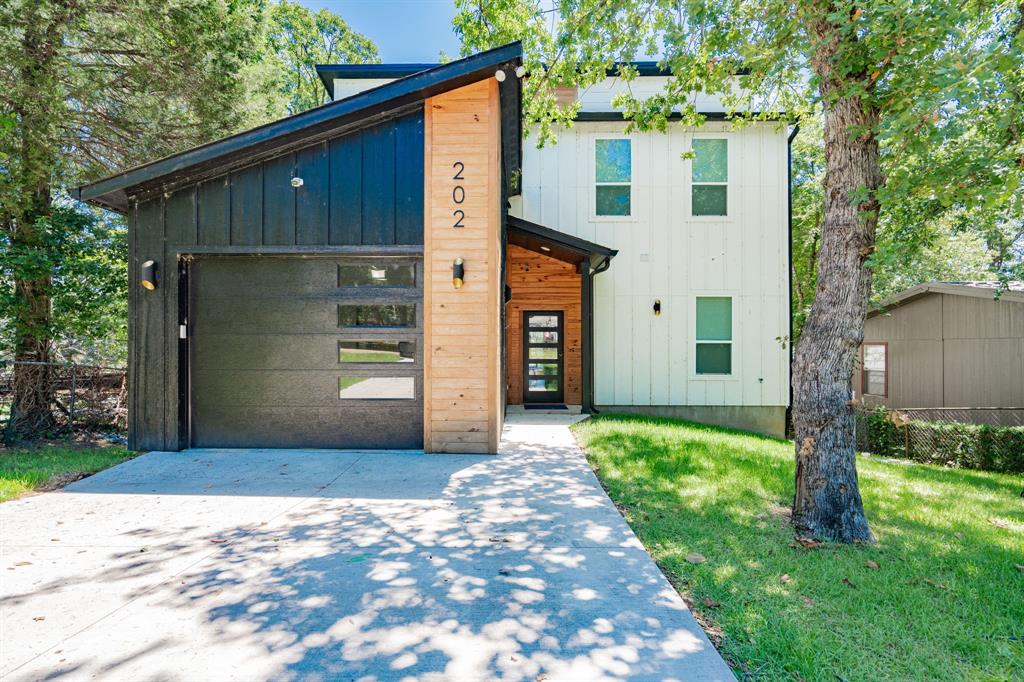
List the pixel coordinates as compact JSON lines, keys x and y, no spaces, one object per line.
{"x":598,"y":97}
{"x":664,"y":253}
{"x":346,"y":87}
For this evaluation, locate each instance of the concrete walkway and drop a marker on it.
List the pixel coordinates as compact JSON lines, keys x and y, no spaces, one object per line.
{"x":322,"y":565}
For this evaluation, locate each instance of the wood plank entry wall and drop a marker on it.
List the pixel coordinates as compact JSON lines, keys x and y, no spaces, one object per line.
{"x":462,"y":334}
{"x":539,"y":282}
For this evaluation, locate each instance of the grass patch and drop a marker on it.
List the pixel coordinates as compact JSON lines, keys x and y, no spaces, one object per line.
{"x":24,"y":470}
{"x":946,"y":601}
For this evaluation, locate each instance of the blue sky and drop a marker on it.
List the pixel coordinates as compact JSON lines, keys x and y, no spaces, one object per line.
{"x":403,"y":30}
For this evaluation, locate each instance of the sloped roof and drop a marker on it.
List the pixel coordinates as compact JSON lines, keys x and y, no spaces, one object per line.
{"x":359,"y":110}
{"x":559,"y":245}
{"x":1013,"y":292}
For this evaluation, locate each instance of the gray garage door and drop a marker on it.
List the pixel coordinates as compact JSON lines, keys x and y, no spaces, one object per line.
{"x":306,"y":352}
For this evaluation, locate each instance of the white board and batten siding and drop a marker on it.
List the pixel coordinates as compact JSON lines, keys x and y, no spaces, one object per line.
{"x":665,"y":253}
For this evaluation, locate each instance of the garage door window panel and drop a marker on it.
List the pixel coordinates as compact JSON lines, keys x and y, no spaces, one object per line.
{"x":374,"y":273}
{"x":363,"y":315}
{"x":377,"y":351}
{"x":376,"y":388}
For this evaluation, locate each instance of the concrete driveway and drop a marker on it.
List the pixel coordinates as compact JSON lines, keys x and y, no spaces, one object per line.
{"x":323,"y":565}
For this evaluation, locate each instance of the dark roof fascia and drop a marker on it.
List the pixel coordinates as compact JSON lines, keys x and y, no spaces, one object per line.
{"x":594,"y":116}
{"x":647,"y":68}
{"x":328,"y":72}
{"x":112,"y":192}
{"x":586,"y":250}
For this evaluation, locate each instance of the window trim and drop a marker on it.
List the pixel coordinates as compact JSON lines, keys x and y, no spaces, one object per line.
{"x":864,"y":370}
{"x":728,"y":178}
{"x":734,"y":360}
{"x":593,"y":183}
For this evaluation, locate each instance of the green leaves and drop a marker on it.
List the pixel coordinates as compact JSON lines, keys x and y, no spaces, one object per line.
{"x":298,"y":39}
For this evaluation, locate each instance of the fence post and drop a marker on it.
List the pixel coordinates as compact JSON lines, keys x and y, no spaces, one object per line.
{"x":906,"y":440}
{"x":71,"y":401}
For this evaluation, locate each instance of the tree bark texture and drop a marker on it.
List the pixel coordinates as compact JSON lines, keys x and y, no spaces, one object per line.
{"x":827,"y":502}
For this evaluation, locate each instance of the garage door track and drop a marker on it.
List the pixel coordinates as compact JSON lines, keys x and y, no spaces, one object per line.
{"x":331,"y":565}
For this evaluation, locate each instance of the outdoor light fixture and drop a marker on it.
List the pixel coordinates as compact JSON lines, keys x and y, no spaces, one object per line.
{"x":500,"y":75}
{"x":296,"y":182}
{"x":148,"y":275}
{"x":520,"y":71}
{"x":545,"y":248}
{"x":657,"y":307}
{"x":458,"y":273}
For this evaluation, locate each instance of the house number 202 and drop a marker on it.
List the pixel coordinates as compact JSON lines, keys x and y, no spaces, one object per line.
{"x":458,"y":194}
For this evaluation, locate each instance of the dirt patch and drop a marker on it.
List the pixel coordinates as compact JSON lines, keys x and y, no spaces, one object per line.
{"x":58,"y":481}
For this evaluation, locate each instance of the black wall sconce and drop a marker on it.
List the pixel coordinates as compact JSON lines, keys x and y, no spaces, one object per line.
{"x":147,"y":275}
{"x":458,"y":273}
{"x":657,"y":306}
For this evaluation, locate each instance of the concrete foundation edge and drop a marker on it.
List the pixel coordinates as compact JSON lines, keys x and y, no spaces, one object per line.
{"x":766,"y":419}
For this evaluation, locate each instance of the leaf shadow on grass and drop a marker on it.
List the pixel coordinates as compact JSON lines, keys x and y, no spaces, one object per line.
{"x":940,"y":607}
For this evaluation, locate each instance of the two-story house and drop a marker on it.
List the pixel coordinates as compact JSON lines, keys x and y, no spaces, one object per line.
{"x":397,"y":268}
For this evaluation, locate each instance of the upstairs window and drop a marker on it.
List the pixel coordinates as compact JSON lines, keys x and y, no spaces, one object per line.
{"x":710,"y":180}
{"x":714,"y":335}
{"x":875,"y":372}
{"x":613,"y":172}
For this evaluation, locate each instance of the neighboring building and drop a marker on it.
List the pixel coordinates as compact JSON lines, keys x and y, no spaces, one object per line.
{"x":389,"y":271}
{"x":946,"y":345}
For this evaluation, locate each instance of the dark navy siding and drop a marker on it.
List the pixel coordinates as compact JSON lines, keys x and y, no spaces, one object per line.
{"x":363,"y":188}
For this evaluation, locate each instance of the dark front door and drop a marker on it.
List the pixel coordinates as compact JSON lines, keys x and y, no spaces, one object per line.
{"x":306,"y":352}
{"x":543,"y":356}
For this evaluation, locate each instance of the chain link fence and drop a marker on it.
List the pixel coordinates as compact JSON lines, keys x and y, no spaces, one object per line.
{"x":993,"y":416}
{"x":950,"y":437}
{"x":82,"y":397}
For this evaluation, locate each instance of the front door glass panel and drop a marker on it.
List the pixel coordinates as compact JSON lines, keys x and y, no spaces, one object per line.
{"x":543,"y":357}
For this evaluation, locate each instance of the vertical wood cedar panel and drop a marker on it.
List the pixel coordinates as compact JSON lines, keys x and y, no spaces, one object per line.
{"x":215,"y":212}
{"x":409,"y":150}
{"x":179,"y":231}
{"x":311,"y":200}
{"x":279,"y":201}
{"x":247,"y":206}
{"x":149,"y":309}
{"x":379,"y":185}
{"x":462,"y":391}
{"x":540,"y":282}
{"x":665,"y":253}
{"x":346,"y":203}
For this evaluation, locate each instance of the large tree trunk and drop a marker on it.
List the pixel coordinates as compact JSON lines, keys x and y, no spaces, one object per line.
{"x":827,"y":503}
{"x":31,"y":408}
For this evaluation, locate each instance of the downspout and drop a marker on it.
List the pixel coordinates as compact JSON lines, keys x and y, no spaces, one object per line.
{"x":789,"y":261}
{"x":604,"y":265}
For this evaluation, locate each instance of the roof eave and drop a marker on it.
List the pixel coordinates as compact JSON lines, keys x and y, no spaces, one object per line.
{"x":112,"y":192}
{"x":920,"y":290}
{"x":592,"y":252}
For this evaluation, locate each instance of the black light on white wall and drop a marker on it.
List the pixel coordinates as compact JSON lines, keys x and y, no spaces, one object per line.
{"x":147,"y":275}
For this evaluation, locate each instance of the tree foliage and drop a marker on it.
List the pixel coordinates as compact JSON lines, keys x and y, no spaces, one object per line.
{"x":88,"y":87}
{"x":83,"y":252}
{"x":922,"y":109}
{"x":298,"y":39}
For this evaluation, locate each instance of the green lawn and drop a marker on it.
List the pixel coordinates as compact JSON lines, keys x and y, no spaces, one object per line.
{"x":946,"y":600}
{"x":23,"y":470}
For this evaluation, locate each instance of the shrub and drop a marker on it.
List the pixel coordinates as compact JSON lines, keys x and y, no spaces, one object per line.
{"x":965,"y":446}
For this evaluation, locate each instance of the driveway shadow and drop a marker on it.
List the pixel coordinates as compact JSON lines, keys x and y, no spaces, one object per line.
{"x":401,"y":566}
